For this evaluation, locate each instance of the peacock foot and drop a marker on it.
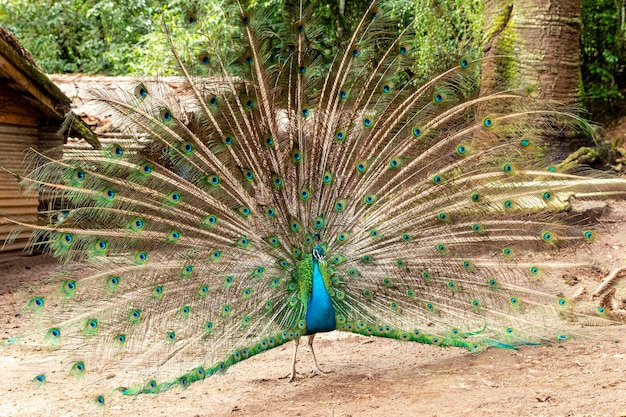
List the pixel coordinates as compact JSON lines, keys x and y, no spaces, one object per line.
{"x":316,"y":371}
{"x":289,"y":377}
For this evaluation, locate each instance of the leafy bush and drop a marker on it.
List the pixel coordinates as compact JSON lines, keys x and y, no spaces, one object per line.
{"x":603,"y":55}
{"x":79,"y":36}
{"x":117,"y":37}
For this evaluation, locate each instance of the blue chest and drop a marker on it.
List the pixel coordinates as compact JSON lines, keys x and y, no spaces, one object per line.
{"x":320,"y":315}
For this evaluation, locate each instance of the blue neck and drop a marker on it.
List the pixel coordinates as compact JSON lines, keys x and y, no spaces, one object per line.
{"x":320,"y":315}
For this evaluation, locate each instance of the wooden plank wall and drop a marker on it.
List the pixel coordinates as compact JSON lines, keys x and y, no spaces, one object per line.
{"x":19,"y":131}
{"x":14,"y":142}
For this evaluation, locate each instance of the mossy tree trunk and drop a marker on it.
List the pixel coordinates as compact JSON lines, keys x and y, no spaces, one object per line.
{"x":544,"y":38}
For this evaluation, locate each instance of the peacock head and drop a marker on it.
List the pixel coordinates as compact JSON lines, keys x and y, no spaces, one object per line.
{"x":318,"y":254}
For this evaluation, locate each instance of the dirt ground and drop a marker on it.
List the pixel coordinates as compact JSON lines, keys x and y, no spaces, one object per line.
{"x":367,"y":376}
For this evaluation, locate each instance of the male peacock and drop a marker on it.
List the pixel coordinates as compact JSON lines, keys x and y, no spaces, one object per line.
{"x":303,"y":194}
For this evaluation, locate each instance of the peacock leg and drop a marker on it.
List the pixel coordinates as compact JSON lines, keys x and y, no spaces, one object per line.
{"x":292,"y":376}
{"x":316,"y":368}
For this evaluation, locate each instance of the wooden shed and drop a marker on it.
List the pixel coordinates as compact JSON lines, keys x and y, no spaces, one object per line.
{"x":32,"y":111}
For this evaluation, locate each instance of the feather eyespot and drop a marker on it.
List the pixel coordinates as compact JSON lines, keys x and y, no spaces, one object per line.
{"x":166,"y":115}
{"x":79,"y":175}
{"x":589,"y":235}
{"x":190,"y":19}
{"x":67,"y":239}
{"x":462,"y":150}
{"x":118,"y":151}
{"x":145,"y":169}
{"x":141,"y":92}
{"x":204,"y":59}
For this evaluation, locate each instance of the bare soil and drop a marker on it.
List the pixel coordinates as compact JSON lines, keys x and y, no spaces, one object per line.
{"x":366,"y":376}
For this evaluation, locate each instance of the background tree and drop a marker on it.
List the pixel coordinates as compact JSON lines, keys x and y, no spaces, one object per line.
{"x":544,"y":37}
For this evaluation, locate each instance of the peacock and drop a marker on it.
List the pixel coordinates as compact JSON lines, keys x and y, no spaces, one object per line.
{"x":286,"y":192}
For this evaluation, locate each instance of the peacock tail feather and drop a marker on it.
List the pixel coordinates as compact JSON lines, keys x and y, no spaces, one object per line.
{"x":240,"y":214}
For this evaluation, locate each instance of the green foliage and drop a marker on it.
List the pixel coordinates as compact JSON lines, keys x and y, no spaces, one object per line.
{"x":151,"y":55}
{"x":79,"y":36}
{"x":446,"y":30}
{"x":117,"y":37}
{"x":603,"y":54}
{"x":114,"y":37}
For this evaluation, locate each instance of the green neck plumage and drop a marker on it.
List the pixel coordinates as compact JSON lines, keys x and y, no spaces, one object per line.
{"x":304,"y":278}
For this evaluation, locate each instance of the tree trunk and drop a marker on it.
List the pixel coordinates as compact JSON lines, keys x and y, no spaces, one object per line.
{"x":543,"y":37}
